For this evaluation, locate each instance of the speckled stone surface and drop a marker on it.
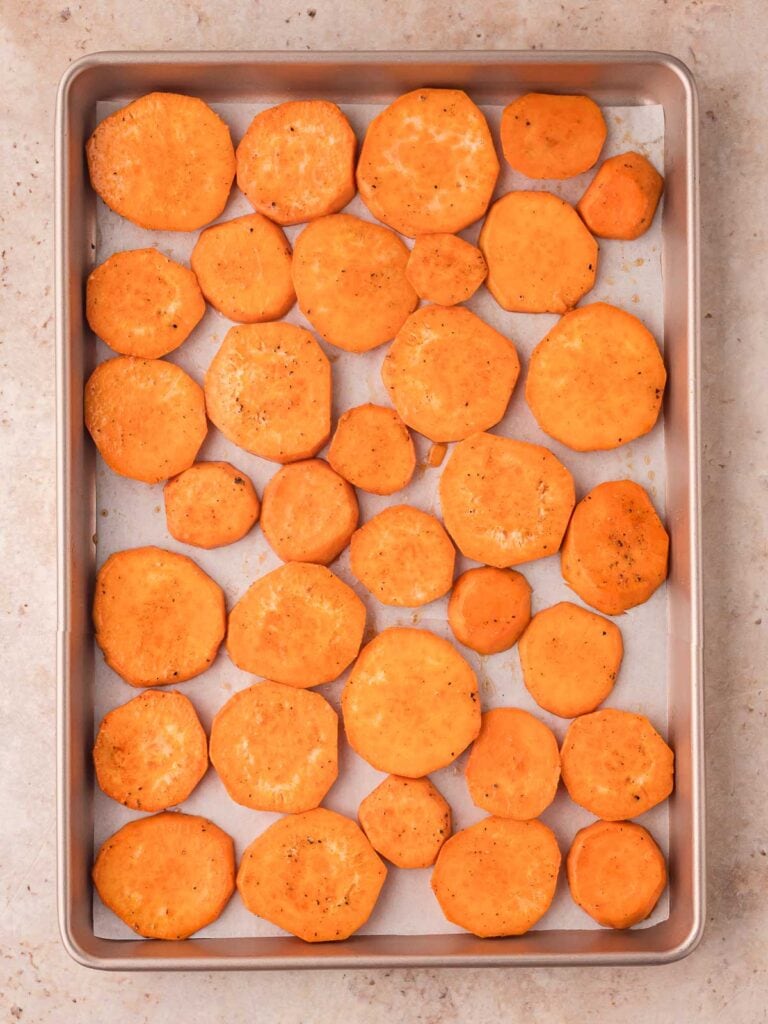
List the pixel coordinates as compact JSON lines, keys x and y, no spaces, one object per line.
{"x":726,"y":46}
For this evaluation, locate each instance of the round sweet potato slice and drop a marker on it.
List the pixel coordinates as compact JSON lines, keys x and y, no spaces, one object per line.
{"x":540,"y":256}
{"x":166,"y":876}
{"x":615,"y":764}
{"x":616,"y":872}
{"x":350,"y":281}
{"x":428,"y":163}
{"x":406,"y":821}
{"x":547,"y":136}
{"x":489,"y":608}
{"x":505,"y":501}
{"x":497,"y":877}
{"x":449,"y":374}
{"x":445,"y":269}
{"x":296,"y":162}
{"x":140,"y":303}
{"x":150,"y":753}
{"x":622,"y":197}
{"x":164,"y":161}
{"x":298,"y":625}
{"x":373,"y":449}
{"x":596,"y":381}
{"x":615,"y":552}
{"x":570,"y":659}
{"x":244,"y":269}
{"x":411,"y":704}
{"x":309,"y":512}
{"x":275,"y":748}
{"x":403,"y":556}
{"x":313,"y":874}
{"x":146,"y":417}
{"x":210,"y":504}
{"x":268,"y":390}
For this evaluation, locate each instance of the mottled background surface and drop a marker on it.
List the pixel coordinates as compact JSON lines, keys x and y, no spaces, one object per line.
{"x":726,"y":46}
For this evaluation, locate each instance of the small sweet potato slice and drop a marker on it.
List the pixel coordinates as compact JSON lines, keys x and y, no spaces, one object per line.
{"x":244,"y":269}
{"x":159,"y":619}
{"x":410,"y":704}
{"x":615,"y":551}
{"x":445,"y":269}
{"x":146,"y":417}
{"x":497,"y":877}
{"x":505,"y":501}
{"x":313,"y":874}
{"x":436,"y":454}
{"x":164,"y":161}
{"x":296,"y":162}
{"x":210,"y":504}
{"x":150,"y":753}
{"x":616,"y":872}
{"x":406,"y":821}
{"x":428,"y":163}
{"x":514,"y":765}
{"x":268,"y":390}
{"x":403,"y":556}
{"x":372,"y":448}
{"x":596,"y":381}
{"x":540,"y":256}
{"x":449,"y":374}
{"x":309,"y":512}
{"x":615,"y":764}
{"x":166,"y":876}
{"x":489,"y":608}
{"x":275,"y":748}
{"x":622,"y":197}
{"x":298,"y":625}
{"x":570,"y":659}
{"x":549,"y":136}
{"x":350,"y":281}
{"x":140,"y":303}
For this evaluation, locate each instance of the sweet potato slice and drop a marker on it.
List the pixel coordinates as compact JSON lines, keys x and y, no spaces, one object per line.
{"x":350,"y":281}
{"x":275,"y":748}
{"x":622,"y":197}
{"x":166,"y":876}
{"x":505,"y":501}
{"x":403,"y":556}
{"x":497,"y":877}
{"x":428,"y":163}
{"x":296,"y":162}
{"x":615,"y":764}
{"x":570,"y":659}
{"x":313,"y":874}
{"x":244,"y":269}
{"x":547,"y":136}
{"x":541,"y":258}
{"x":140,"y":303}
{"x":309,"y":512}
{"x":146,"y":417}
{"x":597,"y":379}
{"x":150,"y":753}
{"x":514,"y":765}
{"x":445,"y":269}
{"x":210,"y":504}
{"x":268,"y":390}
{"x":159,"y":619}
{"x":406,"y":821}
{"x":436,"y":454}
{"x":298,"y":625}
{"x":372,"y":448}
{"x":615,"y":552}
{"x":164,"y":161}
{"x":489,"y":609}
{"x":449,"y":374}
{"x":411,"y":703}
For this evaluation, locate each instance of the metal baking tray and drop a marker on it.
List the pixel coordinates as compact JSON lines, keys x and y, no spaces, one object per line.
{"x":619,"y":78}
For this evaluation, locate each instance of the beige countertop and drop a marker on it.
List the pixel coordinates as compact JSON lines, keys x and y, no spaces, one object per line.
{"x":726,"y":46}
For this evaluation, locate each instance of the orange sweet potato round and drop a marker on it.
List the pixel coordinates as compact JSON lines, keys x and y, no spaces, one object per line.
{"x":406,"y":821}
{"x":548,"y":136}
{"x":372,"y":448}
{"x":210,"y":504}
{"x":622,"y":197}
{"x":445,"y":269}
{"x":489,"y":608}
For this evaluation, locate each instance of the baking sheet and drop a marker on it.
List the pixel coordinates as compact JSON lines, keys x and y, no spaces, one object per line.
{"x":131,"y":514}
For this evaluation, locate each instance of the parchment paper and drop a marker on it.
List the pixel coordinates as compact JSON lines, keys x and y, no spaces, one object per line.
{"x":130,"y":514}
